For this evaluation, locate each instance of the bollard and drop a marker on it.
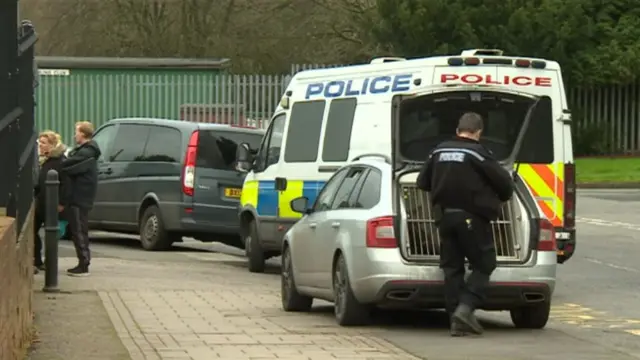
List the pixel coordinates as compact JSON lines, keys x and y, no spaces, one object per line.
{"x":51,"y":233}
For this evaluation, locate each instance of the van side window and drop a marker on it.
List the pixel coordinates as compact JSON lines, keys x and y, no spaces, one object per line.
{"x":303,"y":136}
{"x":129,"y":142}
{"x":337,"y":134}
{"x":104,"y":139}
{"x":269,"y":152}
{"x":163,"y":145}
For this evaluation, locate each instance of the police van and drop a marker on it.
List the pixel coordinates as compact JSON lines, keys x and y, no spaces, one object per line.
{"x":403,"y":108}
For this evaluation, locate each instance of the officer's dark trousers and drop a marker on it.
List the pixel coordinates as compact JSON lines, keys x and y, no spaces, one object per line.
{"x":467,"y":236}
{"x":79,"y":227}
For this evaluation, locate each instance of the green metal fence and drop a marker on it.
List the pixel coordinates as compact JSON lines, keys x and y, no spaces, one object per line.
{"x":95,"y":89}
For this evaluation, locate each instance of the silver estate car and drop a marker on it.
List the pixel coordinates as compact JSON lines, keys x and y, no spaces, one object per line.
{"x":345,"y":249}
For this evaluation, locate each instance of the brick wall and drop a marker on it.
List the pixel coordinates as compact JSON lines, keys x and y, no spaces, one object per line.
{"x":16,"y":282}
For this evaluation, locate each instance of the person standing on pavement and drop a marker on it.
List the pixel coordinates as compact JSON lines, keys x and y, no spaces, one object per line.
{"x":468,"y":187}
{"x":52,"y":156}
{"x":81,"y":167}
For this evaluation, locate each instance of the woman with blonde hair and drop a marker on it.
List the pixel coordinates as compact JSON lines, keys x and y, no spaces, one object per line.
{"x":51,"y":150}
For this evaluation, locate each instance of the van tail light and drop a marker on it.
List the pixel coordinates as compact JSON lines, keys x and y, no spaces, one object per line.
{"x":547,"y":239}
{"x":189,"y":166}
{"x":569,"y":196}
{"x":380,"y":233}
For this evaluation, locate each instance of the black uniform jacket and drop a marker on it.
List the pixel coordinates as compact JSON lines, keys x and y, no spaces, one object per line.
{"x":463,"y":174}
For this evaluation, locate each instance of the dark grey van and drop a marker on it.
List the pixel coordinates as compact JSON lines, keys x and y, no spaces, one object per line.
{"x":165,"y":179}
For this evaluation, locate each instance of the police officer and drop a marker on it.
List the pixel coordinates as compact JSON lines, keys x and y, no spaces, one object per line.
{"x":468,"y":187}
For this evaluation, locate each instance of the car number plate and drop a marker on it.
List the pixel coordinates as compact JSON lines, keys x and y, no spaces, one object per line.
{"x":232,"y":192}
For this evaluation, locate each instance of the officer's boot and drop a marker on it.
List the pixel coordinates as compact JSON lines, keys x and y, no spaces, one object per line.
{"x":458,"y":329}
{"x":464,"y":316}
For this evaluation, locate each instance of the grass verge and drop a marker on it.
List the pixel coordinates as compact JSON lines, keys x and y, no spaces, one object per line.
{"x":608,"y":170}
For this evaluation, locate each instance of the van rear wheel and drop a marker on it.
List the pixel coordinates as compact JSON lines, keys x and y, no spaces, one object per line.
{"x":153,"y":235}
{"x":253,"y":250}
{"x":534,"y":316}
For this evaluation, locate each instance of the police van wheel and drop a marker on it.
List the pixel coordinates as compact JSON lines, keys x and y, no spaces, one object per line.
{"x":153,"y":236}
{"x":533,"y":316}
{"x":347,"y":309}
{"x":292,"y":300}
{"x":253,"y":250}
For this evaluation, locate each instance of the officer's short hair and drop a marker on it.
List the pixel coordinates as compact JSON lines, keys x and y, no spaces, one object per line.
{"x":470,"y":122}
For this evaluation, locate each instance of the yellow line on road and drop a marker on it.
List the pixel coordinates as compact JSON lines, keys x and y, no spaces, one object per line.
{"x":584,"y":317}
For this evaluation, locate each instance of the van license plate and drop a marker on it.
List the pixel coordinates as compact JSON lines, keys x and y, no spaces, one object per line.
{"x":232,"y":192}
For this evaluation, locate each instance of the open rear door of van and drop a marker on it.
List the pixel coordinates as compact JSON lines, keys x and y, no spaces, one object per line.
{"x":421,"y":121}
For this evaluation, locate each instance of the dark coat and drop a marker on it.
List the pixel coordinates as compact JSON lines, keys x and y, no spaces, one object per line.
{"x":81,"y":166}
{"x":462,"y":174}
{"x":52,"y":162}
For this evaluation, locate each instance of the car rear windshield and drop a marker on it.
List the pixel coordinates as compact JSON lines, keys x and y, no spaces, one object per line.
{"x":428,"y":120}
{"x":217,"y":149}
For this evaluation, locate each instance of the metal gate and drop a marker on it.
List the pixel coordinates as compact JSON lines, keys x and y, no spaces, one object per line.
{"x":17,"y":133}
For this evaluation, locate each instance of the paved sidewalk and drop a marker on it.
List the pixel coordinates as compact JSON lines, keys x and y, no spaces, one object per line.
{"x":215,"y":309}
{"x":74,"y":327}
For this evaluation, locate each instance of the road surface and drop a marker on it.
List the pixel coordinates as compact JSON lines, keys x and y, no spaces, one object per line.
{"x":596,"y":311}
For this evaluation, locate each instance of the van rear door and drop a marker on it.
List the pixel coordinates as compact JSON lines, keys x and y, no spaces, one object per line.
{"x":421,"y":121}
{"x":217,"y":184}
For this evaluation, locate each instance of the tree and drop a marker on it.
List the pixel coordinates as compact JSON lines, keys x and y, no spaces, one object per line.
{"x":259,"y":36}
{"x":596,"y":42}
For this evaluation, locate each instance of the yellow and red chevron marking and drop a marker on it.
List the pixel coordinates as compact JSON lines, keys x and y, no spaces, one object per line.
{"x":546,"y":182}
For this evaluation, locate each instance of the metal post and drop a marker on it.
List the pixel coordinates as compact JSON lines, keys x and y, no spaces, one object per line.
{"x":51,"y":233}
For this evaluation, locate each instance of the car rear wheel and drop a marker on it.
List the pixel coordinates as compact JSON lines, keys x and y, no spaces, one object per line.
{"x":153,"y":235}
{"x":291,"y":298}
{"x":347,"y":309}
{"x":534,"y":316}
{"x":253,"y":250}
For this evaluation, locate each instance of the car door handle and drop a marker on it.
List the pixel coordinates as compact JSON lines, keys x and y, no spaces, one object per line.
{"x":335,"y":225}
{"x":313,"y":225}
{"x":107,"y":172}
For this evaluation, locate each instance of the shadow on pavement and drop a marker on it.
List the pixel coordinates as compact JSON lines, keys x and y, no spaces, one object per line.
{"x":271,"y":268}
{"x":132,"y":243}
{"x":414,"y":319}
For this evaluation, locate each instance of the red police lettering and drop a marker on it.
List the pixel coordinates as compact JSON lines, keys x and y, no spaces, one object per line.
{"x":522,"y":80}
{"x":543,"y":81}
{"x":471,"y":79}
{"x":448,"y":77}
{"x":500,"y":80}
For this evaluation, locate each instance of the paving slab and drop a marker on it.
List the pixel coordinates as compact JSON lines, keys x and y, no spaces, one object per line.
{"x":74,"y":327}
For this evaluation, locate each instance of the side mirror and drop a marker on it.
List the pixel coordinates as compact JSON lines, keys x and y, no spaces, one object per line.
{"x":300,"y":205}
{"x":244,"y":158}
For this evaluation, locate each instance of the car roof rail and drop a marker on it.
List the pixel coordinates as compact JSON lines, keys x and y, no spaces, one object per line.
{"x":386,"y":158}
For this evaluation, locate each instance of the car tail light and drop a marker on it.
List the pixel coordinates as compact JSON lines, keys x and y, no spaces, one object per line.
{"x":569,"y":196}
{"x":380,"y":233}
{"x":547,"y":239}
{"x":189,"y":166}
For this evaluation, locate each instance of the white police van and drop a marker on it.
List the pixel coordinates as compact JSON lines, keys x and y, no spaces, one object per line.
{"x":402,"y":109}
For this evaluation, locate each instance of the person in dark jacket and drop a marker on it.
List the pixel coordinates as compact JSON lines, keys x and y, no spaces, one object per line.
{"x":468,"y":187}
{"x":81,"y":167}
{"x":51,"y":158}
